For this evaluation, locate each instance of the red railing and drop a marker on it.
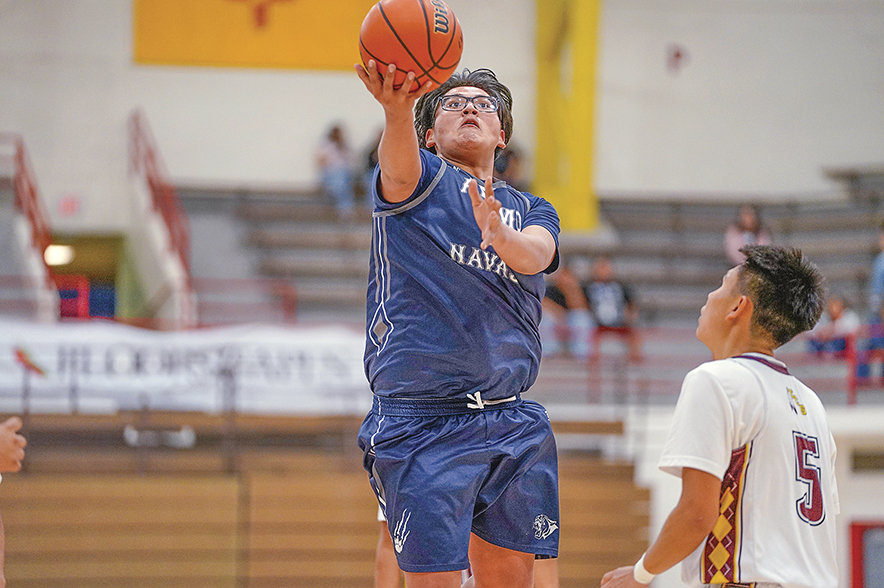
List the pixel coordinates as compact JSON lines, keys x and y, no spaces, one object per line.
{"x":144,"y":160}
{"x":27,"y":197}
{"x":662,"y":356}
{"x":866,"y":350}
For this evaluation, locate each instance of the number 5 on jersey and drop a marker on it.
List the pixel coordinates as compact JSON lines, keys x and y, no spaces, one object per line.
{"x":810,"y":506}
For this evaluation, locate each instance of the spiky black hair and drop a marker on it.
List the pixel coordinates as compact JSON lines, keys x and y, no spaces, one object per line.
{"x":787,"y":291}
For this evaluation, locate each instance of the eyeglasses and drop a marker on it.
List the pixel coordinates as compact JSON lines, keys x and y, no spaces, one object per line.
{"x":457,"y":102}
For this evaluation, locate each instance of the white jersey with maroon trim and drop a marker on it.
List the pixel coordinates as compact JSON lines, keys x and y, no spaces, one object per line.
{"x":750,"y":423}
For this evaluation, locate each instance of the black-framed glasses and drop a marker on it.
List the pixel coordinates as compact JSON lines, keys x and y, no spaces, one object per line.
{"x":457,"y":102}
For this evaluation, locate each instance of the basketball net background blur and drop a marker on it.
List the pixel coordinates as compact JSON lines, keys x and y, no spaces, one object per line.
{"x":288,"y":34}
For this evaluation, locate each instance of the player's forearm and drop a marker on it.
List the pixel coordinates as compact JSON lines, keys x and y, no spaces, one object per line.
{"x":398,"y":156}
{"x":681,"y":534}
{"x":528,"y":252}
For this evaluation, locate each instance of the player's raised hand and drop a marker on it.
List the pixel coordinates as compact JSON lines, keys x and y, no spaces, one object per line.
{"x":398,"y":151}
{"x":621,"y":578}
{"x":381,"y":86}
{"x":486,"y":211}
{"x":12,"y":445}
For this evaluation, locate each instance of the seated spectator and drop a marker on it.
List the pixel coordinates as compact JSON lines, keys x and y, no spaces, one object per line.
{"x":612,"y":304}
{"x":371,"y":162}
{"x":870,"y":346}
{"x":747,"y":229}
{"x":876,"y":280}
{"x":508,"y":167}
{"x":566,"y":326}
{"x":837,"y":323}
{"x":335,"y":164}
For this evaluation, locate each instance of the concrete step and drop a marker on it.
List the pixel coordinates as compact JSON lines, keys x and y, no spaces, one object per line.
{"x":707,"y":217}
{"x":304,"y":264}
{"x":323,"y":236}
{"x":332,"y":291}
{"x":296,"y":212}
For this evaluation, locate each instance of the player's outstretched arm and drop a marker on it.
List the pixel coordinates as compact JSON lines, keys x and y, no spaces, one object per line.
{"x":687,"y":526}
{"x":398,"y":150}
{"x":12,"y":445}
{"x":528,"y":251}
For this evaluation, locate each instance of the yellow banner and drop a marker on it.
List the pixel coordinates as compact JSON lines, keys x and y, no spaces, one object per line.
{"x":288,"y":34}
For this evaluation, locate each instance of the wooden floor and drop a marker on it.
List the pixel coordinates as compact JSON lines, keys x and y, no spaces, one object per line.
{"x":271,"y":516}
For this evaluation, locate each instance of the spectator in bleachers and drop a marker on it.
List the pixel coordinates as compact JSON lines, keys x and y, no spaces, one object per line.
{"x":837,"y":324}
{"x":612,"y":304}
{"x":508,"y":166}
{"x":566,"y":326}
{"x":871,"y":345}
{"x":335,"y":163}
{"x":746,"y":229}
{"x":371,"y":162}
{"x":876,"y":281}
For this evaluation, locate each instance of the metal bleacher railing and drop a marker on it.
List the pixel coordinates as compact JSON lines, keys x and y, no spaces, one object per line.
{"x":23,"y":293}
{"x":144,"y":160}
{"x":610,"y":376}
{"x":219,"y":300}
{"x":25,"y":188}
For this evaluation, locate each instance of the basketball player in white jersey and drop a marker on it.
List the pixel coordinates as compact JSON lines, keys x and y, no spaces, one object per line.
{"x":750,"y":442}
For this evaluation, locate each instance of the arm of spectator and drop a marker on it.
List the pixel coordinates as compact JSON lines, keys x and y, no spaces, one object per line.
{"x":571,"y":289}
{"x":733,"y":240}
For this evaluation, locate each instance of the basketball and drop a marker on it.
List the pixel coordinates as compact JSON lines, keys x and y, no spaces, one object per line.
{"x":423,"y":36}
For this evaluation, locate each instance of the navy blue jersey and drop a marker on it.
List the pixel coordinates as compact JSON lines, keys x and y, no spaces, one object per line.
{"x":444,"y":317}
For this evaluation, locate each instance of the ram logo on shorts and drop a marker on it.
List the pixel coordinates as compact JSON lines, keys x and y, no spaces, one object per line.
{"x":544,"y":527}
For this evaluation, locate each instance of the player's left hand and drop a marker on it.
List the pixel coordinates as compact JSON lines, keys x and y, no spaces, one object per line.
{"x":621,"y":578}
{"x":486,"y":211}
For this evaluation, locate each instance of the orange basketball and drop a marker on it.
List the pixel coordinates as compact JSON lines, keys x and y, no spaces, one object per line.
{"x":422,"y":36}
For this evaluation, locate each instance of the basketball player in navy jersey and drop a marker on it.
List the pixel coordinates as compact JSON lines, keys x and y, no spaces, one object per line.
{"x":464,"y":468}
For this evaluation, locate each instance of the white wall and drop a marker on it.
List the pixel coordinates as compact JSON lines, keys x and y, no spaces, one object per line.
{"x":771,"y":91}
{"x":68,"y":84}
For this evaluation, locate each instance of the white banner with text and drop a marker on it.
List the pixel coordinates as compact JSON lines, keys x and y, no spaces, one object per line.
{"x":101,"y":366}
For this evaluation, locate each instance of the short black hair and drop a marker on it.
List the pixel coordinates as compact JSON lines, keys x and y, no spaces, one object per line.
{"x":787,"y":291}
{"x":484,"y":79}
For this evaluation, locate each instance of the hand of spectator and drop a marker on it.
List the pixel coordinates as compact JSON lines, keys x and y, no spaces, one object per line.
{"x":12,"y":445}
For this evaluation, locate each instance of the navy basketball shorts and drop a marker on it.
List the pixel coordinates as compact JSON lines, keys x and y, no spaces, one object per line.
{"x":492,"y":472}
